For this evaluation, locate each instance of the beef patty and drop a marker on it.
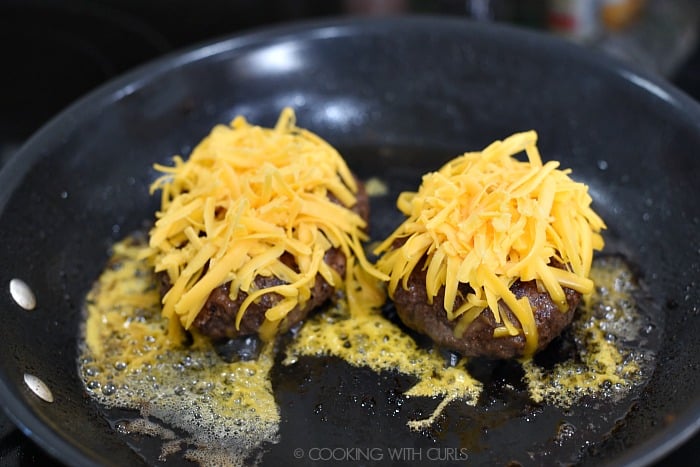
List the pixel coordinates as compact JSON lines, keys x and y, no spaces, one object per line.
{"x":477,"y":340}
{"x":217,"y":318}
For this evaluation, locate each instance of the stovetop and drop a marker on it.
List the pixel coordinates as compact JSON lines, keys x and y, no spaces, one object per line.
{"x":54,"y":52}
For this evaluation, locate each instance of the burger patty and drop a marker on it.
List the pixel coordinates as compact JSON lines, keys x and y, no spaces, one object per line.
{"x":217,"y":318}
{"x":477,"y":340}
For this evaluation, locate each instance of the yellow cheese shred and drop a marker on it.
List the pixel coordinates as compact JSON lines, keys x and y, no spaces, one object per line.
{"x":488,"y":219}
{"x":246,"y":197}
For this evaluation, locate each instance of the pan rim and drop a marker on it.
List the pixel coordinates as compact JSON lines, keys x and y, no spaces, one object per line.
{"x":31,"y":424}
{"x":656,"y":447}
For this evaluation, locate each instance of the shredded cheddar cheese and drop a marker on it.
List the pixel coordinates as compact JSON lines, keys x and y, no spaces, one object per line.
{"x":487,"y":219}
{"x":247,"y":196}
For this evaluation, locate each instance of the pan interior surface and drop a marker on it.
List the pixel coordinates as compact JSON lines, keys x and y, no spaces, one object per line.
{"x":398,"y":98}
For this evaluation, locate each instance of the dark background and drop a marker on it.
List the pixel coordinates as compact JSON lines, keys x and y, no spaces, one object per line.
{"x":53,"y":52}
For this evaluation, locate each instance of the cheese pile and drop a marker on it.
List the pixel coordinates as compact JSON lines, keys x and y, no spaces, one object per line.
{"x":487,"y":219}
{"x":246,"y":197}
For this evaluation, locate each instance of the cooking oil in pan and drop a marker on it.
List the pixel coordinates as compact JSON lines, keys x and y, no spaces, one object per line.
{"x":340,"y":380}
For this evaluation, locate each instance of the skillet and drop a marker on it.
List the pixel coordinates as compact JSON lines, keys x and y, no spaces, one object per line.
{"x":398,"y":97}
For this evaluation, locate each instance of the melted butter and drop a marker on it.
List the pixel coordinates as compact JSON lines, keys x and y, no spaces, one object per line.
{"x":609,"y":361}
{"x":130,"y":361}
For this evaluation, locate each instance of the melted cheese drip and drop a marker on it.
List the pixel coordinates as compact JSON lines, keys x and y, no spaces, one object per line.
{"x":376,"y":187}
{"x":246,"y":197}
{"x":370,"y":340}
{"x":486,"y":219}
{"x":610,"y":361}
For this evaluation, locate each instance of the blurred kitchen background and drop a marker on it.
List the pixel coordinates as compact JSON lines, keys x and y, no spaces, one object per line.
{"x":54,"y":51}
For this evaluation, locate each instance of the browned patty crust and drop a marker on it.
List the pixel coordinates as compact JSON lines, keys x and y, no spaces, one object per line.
{"x":477,"y":340}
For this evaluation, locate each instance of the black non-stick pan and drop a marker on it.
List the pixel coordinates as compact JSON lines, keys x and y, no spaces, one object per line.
{"x":397,"y":97}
